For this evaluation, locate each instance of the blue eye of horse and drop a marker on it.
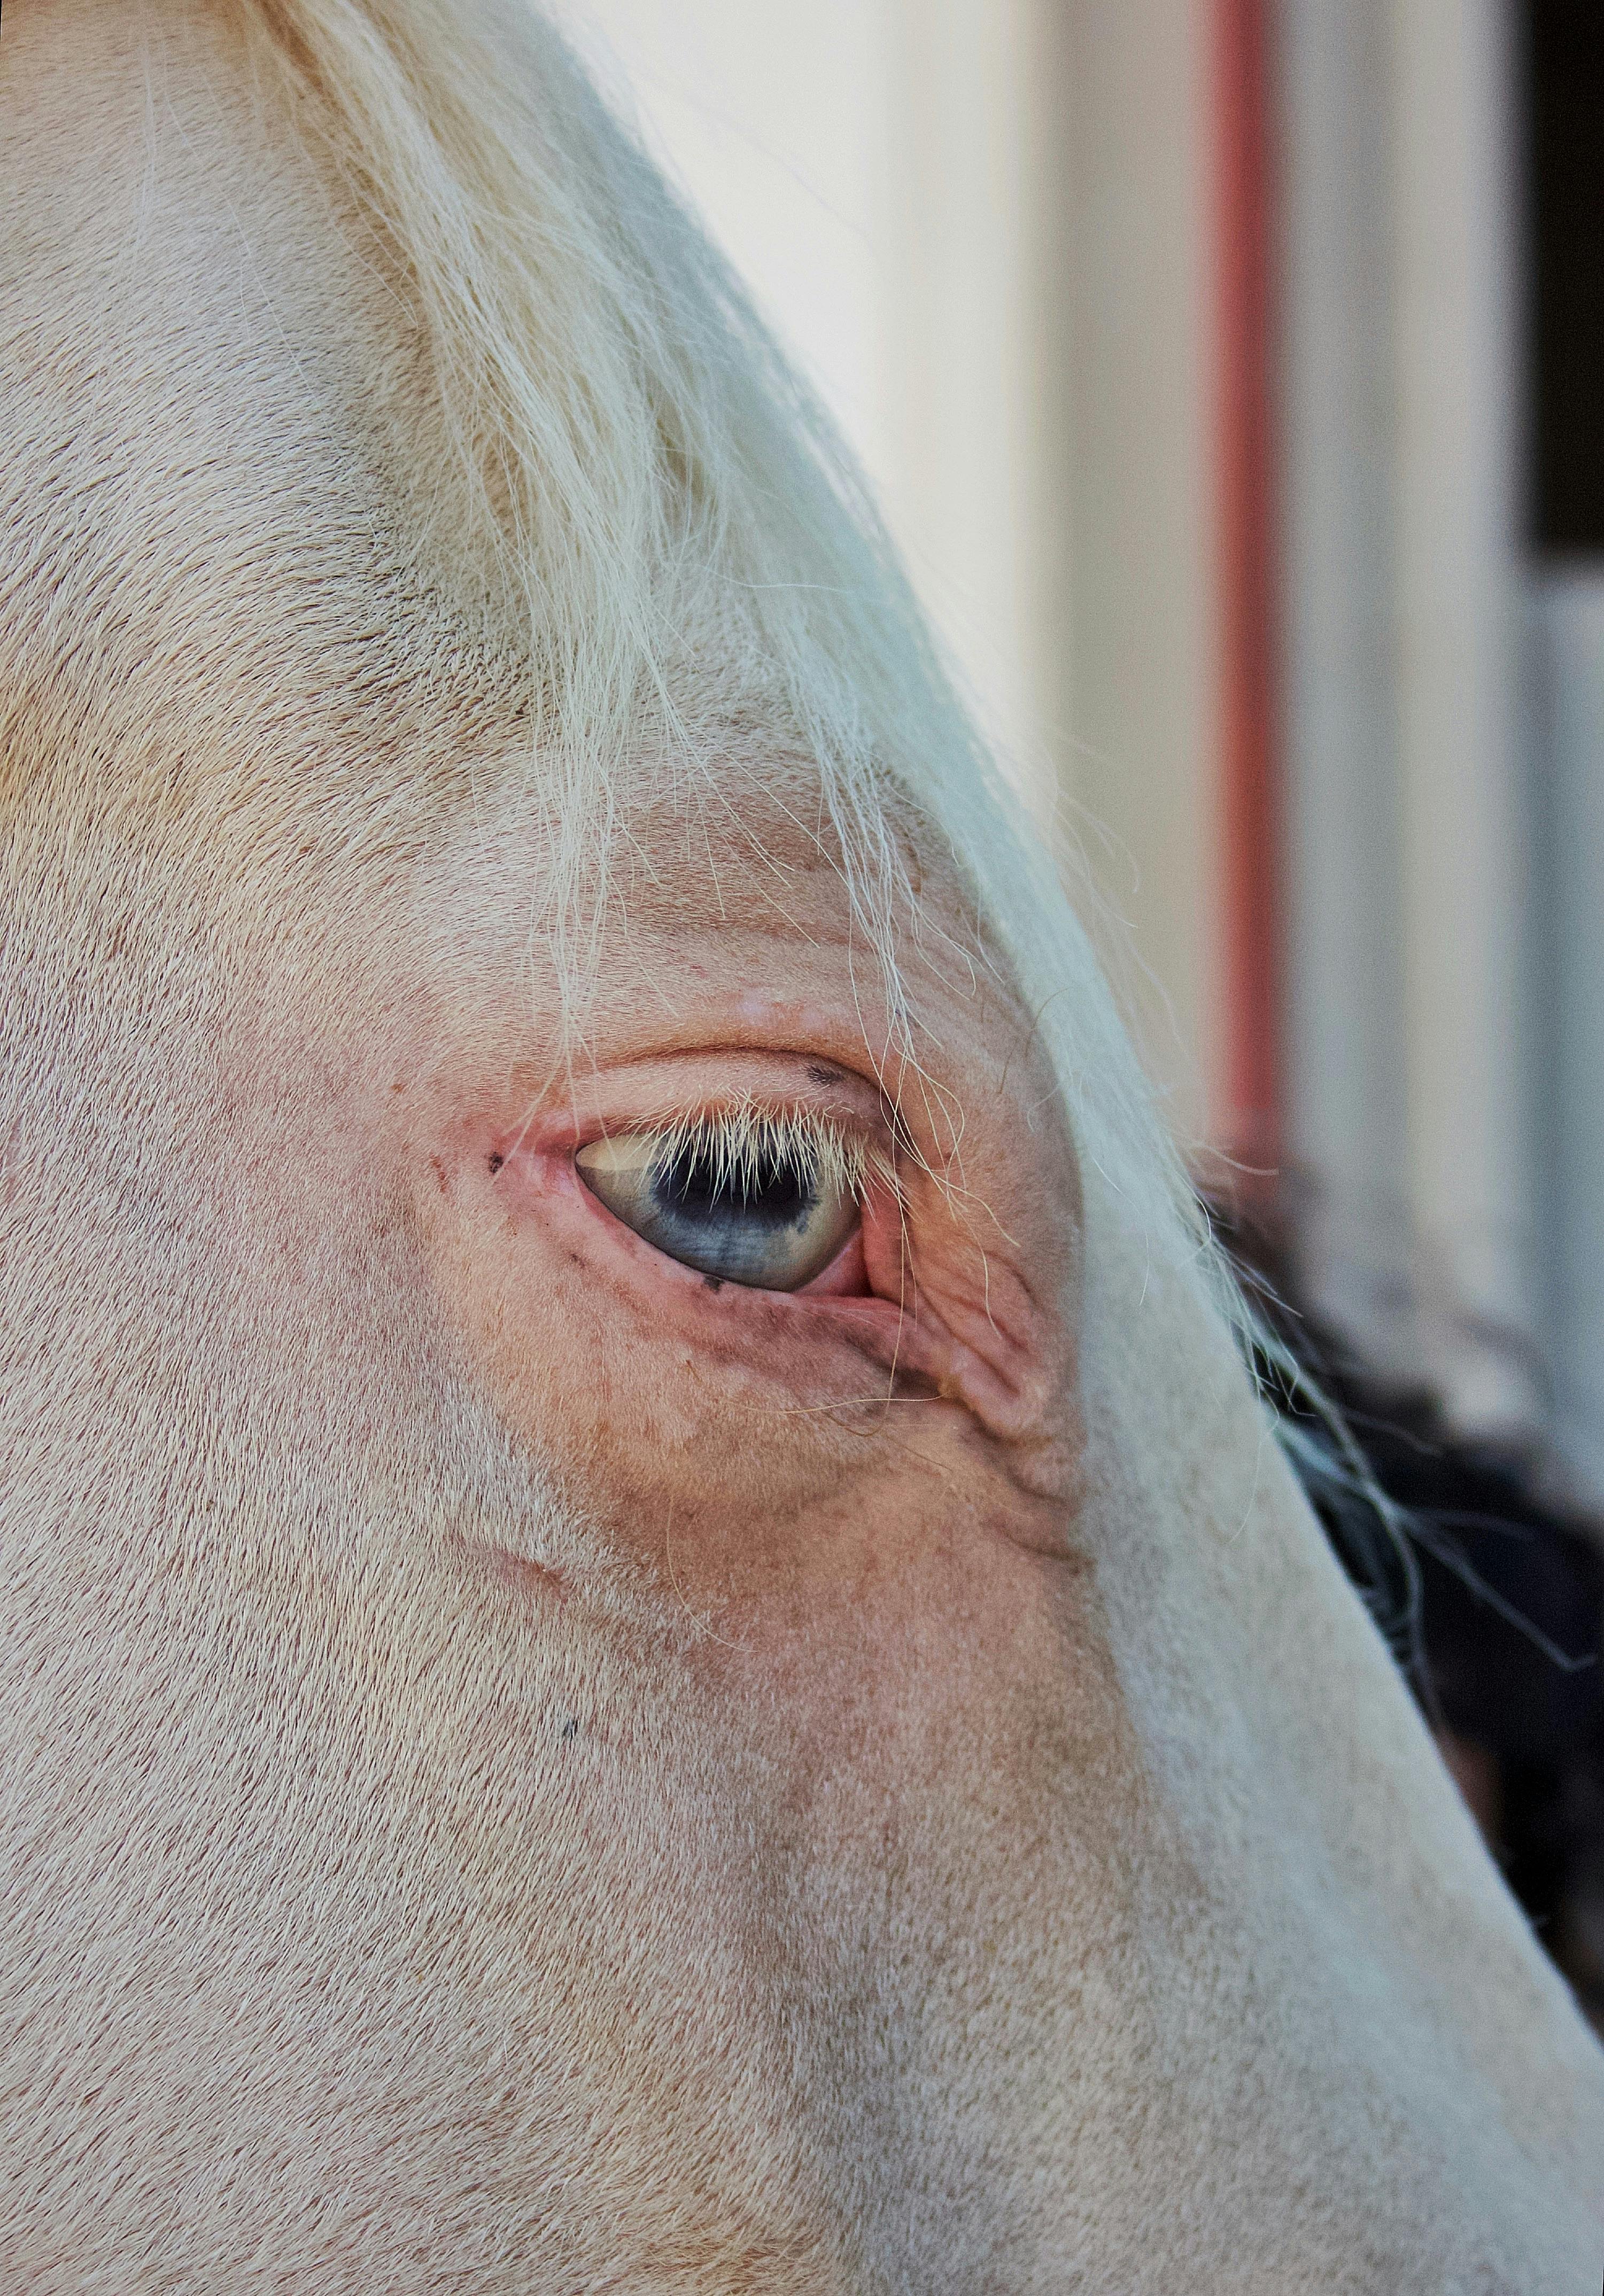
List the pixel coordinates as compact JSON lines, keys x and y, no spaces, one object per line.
{"x":772,"y":1219}
{"x":774,"y":1193}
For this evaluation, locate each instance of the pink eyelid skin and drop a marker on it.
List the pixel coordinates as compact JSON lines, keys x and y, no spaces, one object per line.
{"x":865,"y":1296}
{"x":867,"y":1301}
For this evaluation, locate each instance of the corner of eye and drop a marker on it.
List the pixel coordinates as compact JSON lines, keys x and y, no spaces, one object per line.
{"x":614,"y":1154}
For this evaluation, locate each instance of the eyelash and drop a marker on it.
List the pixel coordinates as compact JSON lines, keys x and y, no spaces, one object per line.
{"x":744,"y":1139}
{"x":763,"y":1196}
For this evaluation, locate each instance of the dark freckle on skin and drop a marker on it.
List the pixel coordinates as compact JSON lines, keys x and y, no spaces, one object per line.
{"x":496,"y":1162}
{"x":713,"y":1283}
{"x":440,"y":1172}
{"x":824,"y":1076}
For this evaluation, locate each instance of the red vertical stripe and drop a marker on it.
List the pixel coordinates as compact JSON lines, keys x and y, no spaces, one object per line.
{"x":1250,"y":812}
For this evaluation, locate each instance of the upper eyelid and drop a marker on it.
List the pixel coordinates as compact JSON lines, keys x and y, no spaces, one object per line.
{"x":751,"y":1121}
{"x":652,"y":1091}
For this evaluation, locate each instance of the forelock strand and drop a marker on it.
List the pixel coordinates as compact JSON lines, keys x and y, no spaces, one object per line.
{"x":669,"y":513}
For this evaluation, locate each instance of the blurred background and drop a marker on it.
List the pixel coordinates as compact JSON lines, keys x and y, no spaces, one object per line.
{"x":1232,"y":374}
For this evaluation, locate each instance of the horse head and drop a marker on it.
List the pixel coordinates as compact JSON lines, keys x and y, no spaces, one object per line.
{"x":653,"y":1638}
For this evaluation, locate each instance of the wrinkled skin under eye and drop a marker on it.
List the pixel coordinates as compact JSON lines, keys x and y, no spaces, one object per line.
{"x":773,"y":1213}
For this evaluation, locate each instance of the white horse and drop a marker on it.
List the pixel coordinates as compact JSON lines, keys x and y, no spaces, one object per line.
{"x":652,"y":1639}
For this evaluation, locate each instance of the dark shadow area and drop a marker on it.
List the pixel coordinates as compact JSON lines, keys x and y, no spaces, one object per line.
{"x":1490,"y":1589}
{"x":1562,"y":61}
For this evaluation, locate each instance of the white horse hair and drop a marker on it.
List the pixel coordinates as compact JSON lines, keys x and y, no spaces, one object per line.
{"x":527,"y":1767}
{"x":652,"y":496}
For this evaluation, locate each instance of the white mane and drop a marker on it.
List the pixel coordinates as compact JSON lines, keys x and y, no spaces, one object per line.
{"x":668,"y":511}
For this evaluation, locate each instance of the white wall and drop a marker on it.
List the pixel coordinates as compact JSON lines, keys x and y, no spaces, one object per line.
{"x":1348,"y":1116}
{"x":875,"y":168}
{"x":1144,"y":633}
{"x":1412,"y":1086}
{"x":1568,"y":728}
{"x":1463,"y":772}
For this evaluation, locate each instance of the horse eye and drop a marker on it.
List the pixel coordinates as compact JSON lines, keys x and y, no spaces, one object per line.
{"x":773,"y":1219}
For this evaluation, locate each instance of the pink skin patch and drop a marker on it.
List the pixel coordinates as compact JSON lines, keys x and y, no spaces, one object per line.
{"x":870,"y":1299}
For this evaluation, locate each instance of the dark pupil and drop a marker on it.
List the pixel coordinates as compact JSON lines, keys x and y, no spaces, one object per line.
{"x":772,"y":1193}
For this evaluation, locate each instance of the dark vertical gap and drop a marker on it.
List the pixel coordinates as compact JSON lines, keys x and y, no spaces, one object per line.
{"x":1563,"y":108}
